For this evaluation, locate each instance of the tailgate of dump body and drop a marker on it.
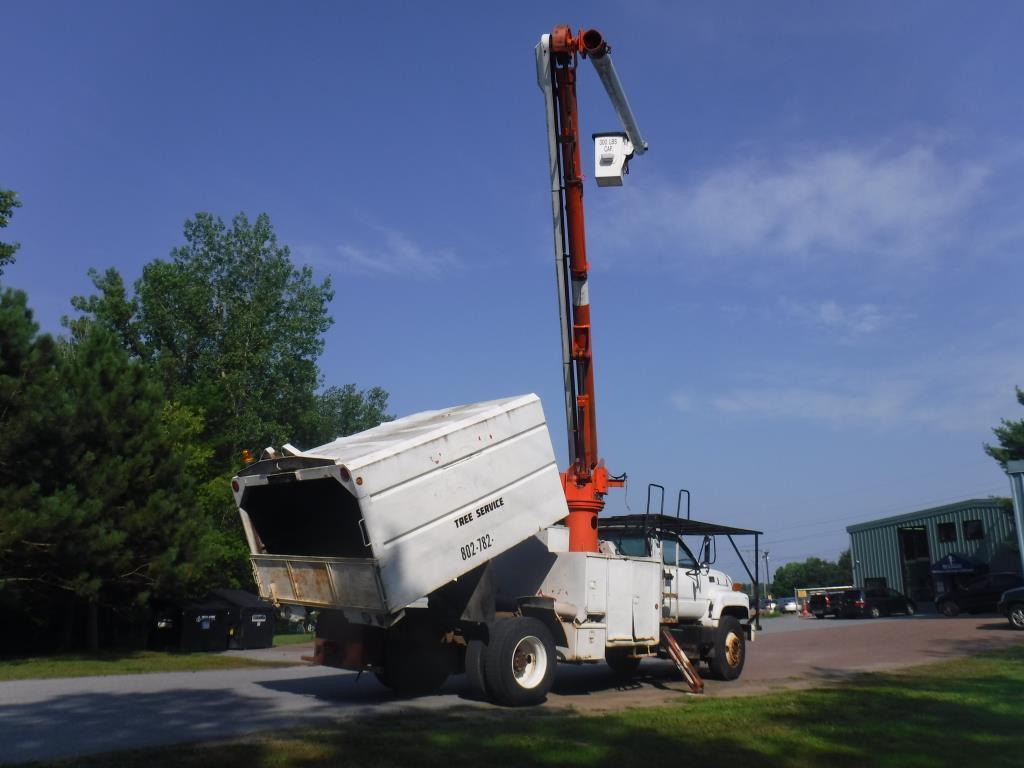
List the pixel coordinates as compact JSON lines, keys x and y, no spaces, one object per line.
{"x":389,"y":515}
{"x":320,"y":581}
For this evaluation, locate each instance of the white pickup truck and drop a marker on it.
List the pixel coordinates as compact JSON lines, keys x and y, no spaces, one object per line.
{"x":431,"y":546}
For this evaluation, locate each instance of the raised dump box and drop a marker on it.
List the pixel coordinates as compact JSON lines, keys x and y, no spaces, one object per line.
{"x":377,"y":520}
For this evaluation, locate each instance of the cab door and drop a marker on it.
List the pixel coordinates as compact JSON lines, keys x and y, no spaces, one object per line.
{"x":683,"y":585}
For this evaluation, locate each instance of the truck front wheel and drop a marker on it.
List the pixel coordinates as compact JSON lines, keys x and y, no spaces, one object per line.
{"x":520,"y":662}
{"x":730,"y":651}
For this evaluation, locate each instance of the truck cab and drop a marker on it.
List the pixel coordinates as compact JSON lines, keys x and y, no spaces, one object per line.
{"x":701,"y":606}
{"x":691,"y":589}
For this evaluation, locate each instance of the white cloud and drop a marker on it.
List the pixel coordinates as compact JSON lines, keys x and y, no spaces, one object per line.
{"x":681,"y":401}
{"x":394,"y":253}
{"x":958,"y":393}
{"x":849,"y":320}
{"x":838,"y":201}
{"x":881,"y":403}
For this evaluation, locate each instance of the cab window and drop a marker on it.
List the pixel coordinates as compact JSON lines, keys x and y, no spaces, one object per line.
{"x":669,"y":549}
{"x":634,"y":546}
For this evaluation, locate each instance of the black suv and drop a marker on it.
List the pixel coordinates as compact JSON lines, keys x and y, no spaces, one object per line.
{"x":979,"y":595}
{"x":1011,"y":605}
{"x":878,"y":602}
{"x":852,"y":603}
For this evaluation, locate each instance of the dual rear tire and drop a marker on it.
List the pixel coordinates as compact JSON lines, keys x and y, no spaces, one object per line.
{"x":516,"y":667}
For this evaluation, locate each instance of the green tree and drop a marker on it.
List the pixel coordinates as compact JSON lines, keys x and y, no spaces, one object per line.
{"x":340,"y":411}
{"x":845,"y":566}
{"x":97,"y":511}
{"x":812,"y":572}
{"x":234,"y":332}
{"x":1010,"y":434}
{"x":234,"y":329}
{"x":8,"y":202}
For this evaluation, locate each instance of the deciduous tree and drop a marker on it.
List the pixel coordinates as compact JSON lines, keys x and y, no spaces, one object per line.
{"x":812,"y":572}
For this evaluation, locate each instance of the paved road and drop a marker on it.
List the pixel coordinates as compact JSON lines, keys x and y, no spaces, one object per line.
{"x":47,"y":719}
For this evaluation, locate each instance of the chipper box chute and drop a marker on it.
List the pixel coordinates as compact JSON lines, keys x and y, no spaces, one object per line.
{"x":373,"y":522}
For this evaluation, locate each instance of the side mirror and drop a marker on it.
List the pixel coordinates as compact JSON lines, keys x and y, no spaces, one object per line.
{"x":705,"y":551}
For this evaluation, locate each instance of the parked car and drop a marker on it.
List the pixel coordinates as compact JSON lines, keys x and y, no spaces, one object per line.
{"x":1011,"y":605}
{"x":875,"y":603}
{"x":823,"y":604}
{"x":789,"y":605}
{"x":855,"y":603}
{"x":981,"y":594}
{"x":766,"y":604}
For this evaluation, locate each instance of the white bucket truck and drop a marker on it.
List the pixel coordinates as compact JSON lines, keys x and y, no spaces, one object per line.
{"x":431,"y":546}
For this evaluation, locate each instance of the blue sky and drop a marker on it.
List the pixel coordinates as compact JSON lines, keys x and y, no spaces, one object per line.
{"x":806,"y":299}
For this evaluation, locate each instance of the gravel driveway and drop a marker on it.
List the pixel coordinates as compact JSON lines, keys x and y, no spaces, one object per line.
{"x":47,"y":719}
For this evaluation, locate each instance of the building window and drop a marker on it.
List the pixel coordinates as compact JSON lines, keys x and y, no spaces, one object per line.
{"x":947,"y":531}
{"x":973,"y":529}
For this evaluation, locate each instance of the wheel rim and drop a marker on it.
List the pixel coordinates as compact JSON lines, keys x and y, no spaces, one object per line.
{"x":733,"y":649}
{"x":1017,"y":616}
{"x":529,"y":662}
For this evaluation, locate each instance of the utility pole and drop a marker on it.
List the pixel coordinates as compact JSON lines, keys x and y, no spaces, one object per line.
{"x":767,"y":573}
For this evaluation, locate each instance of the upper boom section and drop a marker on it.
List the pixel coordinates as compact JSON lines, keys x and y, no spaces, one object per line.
{"x":592,"y":45}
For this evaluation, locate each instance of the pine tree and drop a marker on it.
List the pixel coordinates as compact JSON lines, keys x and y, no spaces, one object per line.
{"x":1010,"y":434}
{"x":97,"y":510}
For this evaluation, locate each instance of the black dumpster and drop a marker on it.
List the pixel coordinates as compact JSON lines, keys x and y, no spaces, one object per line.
{"x":201,"y":626}
{"x":250,"y":618}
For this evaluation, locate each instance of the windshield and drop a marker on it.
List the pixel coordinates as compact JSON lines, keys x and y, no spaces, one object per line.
{"x":670,"y":547}
{"x":634,"y":545}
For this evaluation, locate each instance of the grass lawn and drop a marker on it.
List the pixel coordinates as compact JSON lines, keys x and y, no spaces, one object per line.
{"x":118,"y":663}
{"x":968,"y":712}
{"x":293,"y":639}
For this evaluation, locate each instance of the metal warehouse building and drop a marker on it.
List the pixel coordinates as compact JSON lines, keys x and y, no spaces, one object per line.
{"x":926,"y":552}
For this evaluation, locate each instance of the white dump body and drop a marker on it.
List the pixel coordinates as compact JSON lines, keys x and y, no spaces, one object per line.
{"x":377,"y":520}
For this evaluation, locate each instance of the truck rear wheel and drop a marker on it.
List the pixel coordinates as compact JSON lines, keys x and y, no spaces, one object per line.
{"x":476,"y":675}
{"x":415,"y":661}
{"x":520,"y":662}
{"x":726,"y":663}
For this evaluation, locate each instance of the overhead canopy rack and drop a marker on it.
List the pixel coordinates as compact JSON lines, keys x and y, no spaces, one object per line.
{"x":677,"y":525}
{"x":649,"y":523}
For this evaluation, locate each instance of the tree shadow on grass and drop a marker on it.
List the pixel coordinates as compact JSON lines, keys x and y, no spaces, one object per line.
{"x":967,"y":710}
